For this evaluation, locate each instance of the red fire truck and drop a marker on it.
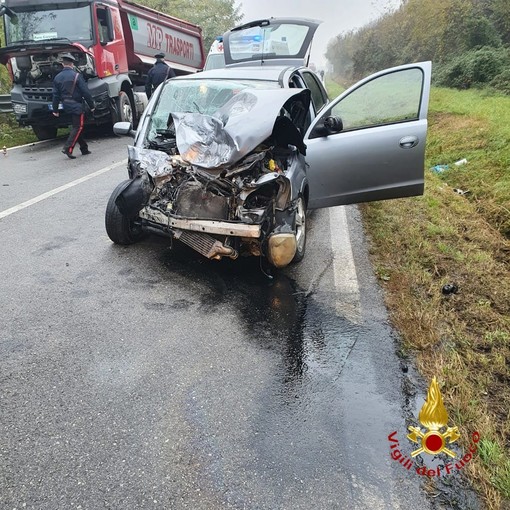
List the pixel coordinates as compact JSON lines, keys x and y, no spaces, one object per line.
{"x":114,"y":42}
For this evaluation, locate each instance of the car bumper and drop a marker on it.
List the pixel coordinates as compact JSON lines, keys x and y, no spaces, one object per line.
{"x":199,"y":225}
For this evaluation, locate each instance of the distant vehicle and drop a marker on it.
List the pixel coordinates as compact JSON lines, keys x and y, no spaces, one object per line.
{"x":215,"y":58}
{"x":114,"y":43}
{"x":228,"y":161}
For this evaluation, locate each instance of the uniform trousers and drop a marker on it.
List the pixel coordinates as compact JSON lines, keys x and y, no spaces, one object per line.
{"x":75,"y":135}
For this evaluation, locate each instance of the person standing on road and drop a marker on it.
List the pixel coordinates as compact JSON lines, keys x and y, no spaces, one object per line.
{"x":70,"y":89}
{"x":159,"y":72}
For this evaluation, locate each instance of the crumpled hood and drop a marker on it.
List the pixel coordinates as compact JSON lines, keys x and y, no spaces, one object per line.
{"x":236,"y":129}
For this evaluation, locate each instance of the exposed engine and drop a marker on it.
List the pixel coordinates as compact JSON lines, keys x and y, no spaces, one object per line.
{"x":194,"y":193}
{"x":41,"y":68}
{"x":251,"y":192}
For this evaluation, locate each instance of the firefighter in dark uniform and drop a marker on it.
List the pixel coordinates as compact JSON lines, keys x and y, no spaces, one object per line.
{"x":70,"y":89}
{"x":159,"y":72}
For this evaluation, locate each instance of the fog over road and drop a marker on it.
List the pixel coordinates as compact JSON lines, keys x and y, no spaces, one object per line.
{"x":145,"y":377}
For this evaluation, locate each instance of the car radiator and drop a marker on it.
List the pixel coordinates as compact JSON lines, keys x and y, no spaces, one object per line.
{"x":205,"y":244}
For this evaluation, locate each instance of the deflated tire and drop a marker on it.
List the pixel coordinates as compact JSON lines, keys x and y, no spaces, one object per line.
{"x":120,"y":228}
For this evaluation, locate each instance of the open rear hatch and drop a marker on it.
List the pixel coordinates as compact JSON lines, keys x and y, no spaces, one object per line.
{"x":273,"y":41}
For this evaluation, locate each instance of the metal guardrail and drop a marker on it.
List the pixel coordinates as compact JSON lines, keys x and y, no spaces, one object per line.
{"x":5,"y":103}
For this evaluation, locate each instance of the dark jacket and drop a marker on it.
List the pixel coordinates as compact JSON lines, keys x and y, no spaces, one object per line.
{"x":156,"y":76}
{"x":62,"y":88}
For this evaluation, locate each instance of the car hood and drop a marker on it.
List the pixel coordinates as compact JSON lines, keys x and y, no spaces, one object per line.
{"x":243,"y":123}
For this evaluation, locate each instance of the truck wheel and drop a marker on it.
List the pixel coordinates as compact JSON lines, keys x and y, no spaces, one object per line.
{"x":120,"y":228}
{"x":44,"y":132}
{"x":126,"y":109}
{"x":300,"y":230}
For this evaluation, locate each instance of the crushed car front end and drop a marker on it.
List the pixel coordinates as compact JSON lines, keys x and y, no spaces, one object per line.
{"x":228,"y":183}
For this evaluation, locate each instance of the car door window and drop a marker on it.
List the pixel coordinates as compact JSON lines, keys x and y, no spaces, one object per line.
{"x":318,"y":98}
{"x":391,"y":98}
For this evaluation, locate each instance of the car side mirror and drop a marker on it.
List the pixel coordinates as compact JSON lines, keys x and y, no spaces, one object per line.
{"x":333,"y":124}
{"x":124,"y":129}
{"x":330,"y":126}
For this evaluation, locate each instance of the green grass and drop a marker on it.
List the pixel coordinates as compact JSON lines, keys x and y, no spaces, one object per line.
{"x":501,"y":480}
{"x":489,"y":451}
{"x":11,"y":134}
{"x":475,"y":126}
{"x":334,"y":89}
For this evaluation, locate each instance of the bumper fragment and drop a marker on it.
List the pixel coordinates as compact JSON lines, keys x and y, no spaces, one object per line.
{"x":210,"y":226}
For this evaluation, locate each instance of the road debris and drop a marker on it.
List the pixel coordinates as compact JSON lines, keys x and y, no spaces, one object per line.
{"x":439,"y":169}
{"x":450,"y":288}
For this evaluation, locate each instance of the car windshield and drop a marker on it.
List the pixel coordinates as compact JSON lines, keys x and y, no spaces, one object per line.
{"x":73,"y":24}
{"x":197,"y":96}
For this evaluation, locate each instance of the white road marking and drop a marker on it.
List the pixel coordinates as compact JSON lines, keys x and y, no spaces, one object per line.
{"x":344,"y":269}
{"x":32,"y":144}
{"x":48,"y":194}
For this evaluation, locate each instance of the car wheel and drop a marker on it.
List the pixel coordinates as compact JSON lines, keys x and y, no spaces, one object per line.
{"x":300,"y":230}
{"x":45,"y":132}
{"x":126,"y":110}
{"x":120,"y":228}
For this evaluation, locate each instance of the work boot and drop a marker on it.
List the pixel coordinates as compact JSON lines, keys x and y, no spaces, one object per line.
{"x":68,"y":154}
{"x":85,"y":152}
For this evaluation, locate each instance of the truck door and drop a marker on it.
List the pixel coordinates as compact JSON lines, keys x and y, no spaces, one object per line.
{"x":110,"y":49}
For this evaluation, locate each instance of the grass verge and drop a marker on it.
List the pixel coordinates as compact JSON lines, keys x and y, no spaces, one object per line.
{"x":423,"y":243}
{"x":11,"y":134}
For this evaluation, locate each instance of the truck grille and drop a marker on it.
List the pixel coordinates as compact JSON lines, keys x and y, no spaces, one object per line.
{"x":38,"y":93}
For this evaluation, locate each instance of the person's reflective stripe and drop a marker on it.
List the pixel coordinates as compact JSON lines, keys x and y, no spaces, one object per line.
{"x":80,"y":129}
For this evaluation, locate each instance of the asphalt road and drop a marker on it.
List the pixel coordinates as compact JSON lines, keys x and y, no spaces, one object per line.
{"x":145,"y":377}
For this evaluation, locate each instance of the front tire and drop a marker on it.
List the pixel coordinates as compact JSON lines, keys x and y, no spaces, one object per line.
{"x":300,"y":230}
{"x":126,"y":111}
{"x":45,"y":132}
{"x":120,"y":228}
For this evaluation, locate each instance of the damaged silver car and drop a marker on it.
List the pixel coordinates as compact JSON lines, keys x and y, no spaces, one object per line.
{"x":229,"y":161}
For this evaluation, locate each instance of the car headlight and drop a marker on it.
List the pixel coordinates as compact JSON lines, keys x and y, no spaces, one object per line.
{"x":19,"y":108}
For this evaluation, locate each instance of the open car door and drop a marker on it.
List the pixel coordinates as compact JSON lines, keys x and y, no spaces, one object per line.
{"x":379,"y":151}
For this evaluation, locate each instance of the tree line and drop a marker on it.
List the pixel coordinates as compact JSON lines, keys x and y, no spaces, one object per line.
{"x":468,"y":41}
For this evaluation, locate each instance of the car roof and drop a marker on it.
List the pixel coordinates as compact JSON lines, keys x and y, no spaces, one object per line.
{"x":265,"y":73}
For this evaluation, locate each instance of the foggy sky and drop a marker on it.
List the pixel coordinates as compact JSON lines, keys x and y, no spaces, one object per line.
{"x":338,"y":16}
